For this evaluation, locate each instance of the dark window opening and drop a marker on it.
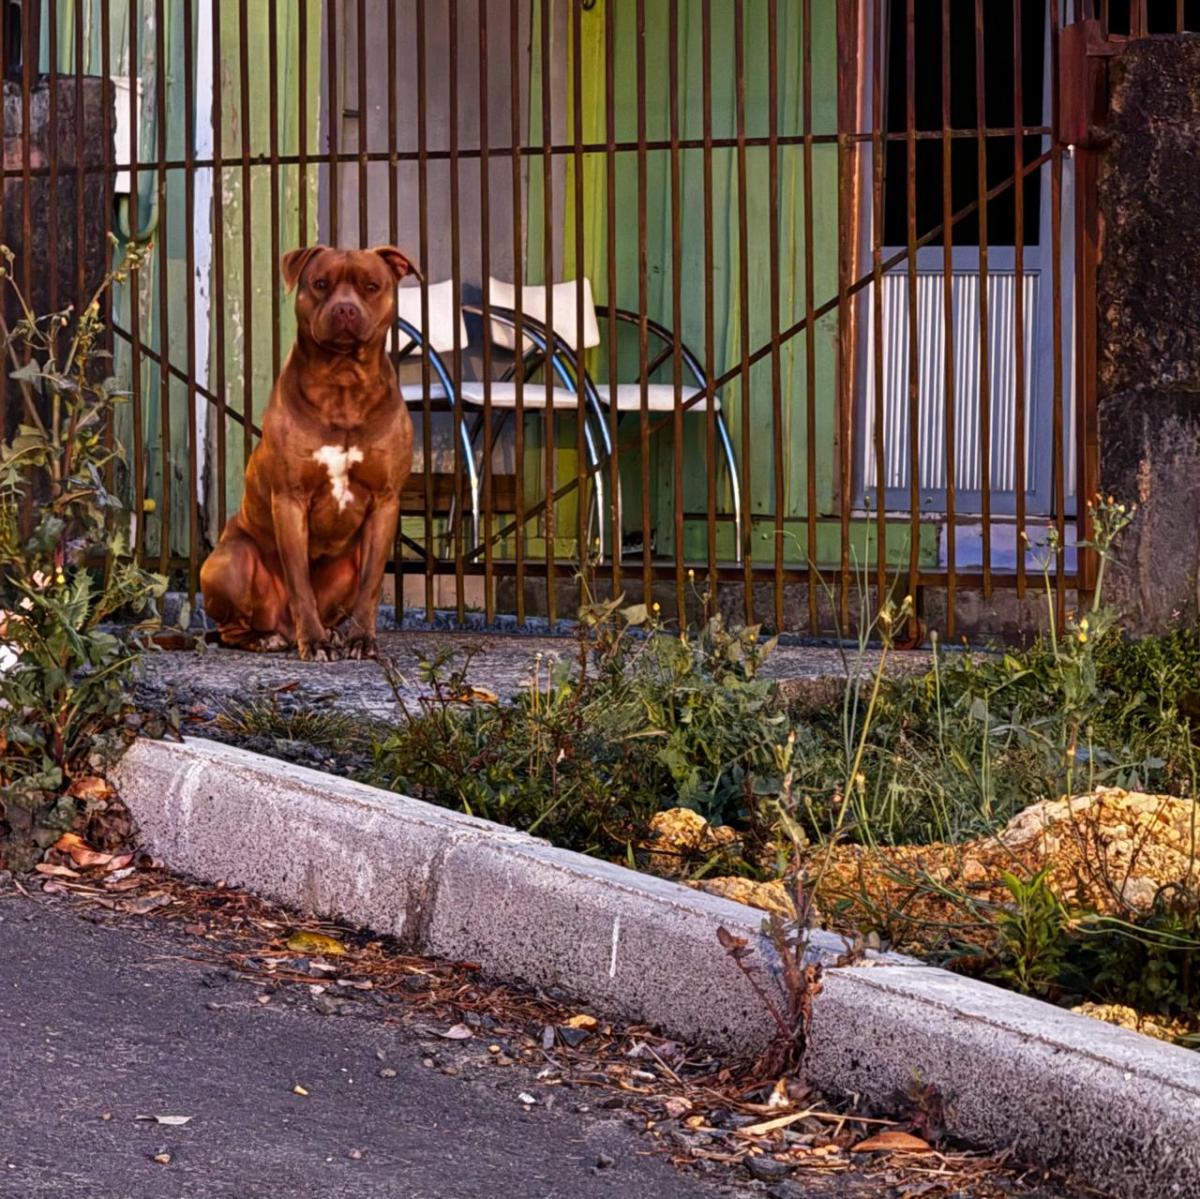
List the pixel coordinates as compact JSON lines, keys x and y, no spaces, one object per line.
{"x":13,"y":35}
{"x":999,"y":103}
{"x":1162,"y":16}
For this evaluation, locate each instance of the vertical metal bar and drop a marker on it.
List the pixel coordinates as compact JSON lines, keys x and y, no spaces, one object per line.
{"x":4,"y":48}
{"x":109,"y":170}
{"x":985,"y":377}
{"x":877,"y":164}
{"x":456,"y":275}
{"x":1180,"y":18}
{"x":302,"y":123}
{"x":1087,"y":245}
{"x":393,"y":133}
{"x":1056,"y":168}
{"x":273,"y":181}
{"x":363,"y":126}
{"x":514,"y":63}
{"x":31,"y":42}
{"x":218,"y":312}
{"x":333,"y":106}
{"x":189,"y":234}
{"x":951,"y":414}
{"x":847,"y":146}
{"x":710,"y":268}
{"x":643,"y":304}
{"x":914,"y":383}
{"x":161,"y":68}
{"x":135,"y":291}
{"x":53,"y":156}
{"x":393,"y":239}
{"x":80,"y":175}
{"x":743,"y":231}
{"x":773,"y":239}
{"x":610,"y":163}
{"x":677,"y":304}
{"x":423,"y":235}
{"x":810,"y":323}
{"x":247,"y":234}
{"x":548,"y":422}
{"x":485,"y":271}
{"x":29,"y":59}
{"x":581,"y":462}
{"x":1019,"y":483}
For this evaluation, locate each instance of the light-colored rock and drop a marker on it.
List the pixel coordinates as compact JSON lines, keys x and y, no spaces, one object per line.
{"x":680,"y":837}
{"x":770,"y":896}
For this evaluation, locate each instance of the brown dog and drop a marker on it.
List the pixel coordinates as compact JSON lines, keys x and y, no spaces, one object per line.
{"x":318,"y":518}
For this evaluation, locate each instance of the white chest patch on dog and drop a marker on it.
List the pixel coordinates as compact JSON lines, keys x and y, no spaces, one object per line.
{"x":337,"y":462}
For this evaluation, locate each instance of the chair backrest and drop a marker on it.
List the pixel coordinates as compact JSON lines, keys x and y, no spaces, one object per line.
{"x":533,"y":304}
{"x":444,"y":309}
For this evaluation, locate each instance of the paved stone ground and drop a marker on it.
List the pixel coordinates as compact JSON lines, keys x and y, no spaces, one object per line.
{"x":502,"y":664}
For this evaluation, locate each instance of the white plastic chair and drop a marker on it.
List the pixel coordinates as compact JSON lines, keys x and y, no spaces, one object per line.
{"x":627,"y":397}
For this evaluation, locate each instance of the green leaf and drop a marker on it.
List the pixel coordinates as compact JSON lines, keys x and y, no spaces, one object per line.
{"x":636,"y":614}
{"x":29,"y":373}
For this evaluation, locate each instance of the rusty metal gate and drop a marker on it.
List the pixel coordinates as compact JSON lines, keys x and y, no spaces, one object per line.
{"x":726,"y":293}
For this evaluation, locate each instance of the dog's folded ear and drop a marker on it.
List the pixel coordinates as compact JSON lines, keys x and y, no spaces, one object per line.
{"x":398,"y":262}
{"x":292,"y":264}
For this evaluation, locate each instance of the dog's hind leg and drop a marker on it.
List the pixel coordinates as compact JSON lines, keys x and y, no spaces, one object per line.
{"x":244,"y":594}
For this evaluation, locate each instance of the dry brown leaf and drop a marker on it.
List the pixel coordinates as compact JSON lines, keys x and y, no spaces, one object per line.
{"x":581,"y":1021}
{"x":129,"y":883}
{"x":476,"y":695}
{"x":90,"y":786}
{"x":146,"y":903}
{"x":120,"y":861}
{"x":758,"y":1130}
{"x":80,"y":852}
{"x":56,"y":871}
{"x":315,"y":944}
{"x":893,"y":1141}
{"x":457,"y":1032}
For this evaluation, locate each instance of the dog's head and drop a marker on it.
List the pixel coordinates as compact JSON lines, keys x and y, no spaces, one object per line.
{"x":345,"y":299}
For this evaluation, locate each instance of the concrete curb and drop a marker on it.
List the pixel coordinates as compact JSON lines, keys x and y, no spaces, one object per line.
{"x":1118,"y":1110}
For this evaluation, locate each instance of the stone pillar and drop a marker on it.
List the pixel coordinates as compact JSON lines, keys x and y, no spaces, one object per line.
{"x":1149,"y":325}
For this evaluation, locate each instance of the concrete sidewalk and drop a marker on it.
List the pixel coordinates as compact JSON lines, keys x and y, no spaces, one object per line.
{"x":502,"y":663}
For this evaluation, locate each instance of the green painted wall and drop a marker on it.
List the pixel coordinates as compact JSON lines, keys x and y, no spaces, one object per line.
{"x":247,"y":332}
{"x":727,"y":298}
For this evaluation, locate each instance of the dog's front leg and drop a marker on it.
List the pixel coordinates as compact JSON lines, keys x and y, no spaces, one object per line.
{"x":378,"y":537}
{"x":290,"y":516}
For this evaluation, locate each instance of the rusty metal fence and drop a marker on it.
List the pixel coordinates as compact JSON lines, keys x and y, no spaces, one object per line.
{"x":841,"y":254}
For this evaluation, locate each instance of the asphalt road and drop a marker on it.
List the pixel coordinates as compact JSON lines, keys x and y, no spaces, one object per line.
{"x":100,"y":1025}
{"x":104,"y":1020}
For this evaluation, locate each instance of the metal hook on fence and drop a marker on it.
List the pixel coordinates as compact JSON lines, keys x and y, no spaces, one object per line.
{"x":137,"y":233}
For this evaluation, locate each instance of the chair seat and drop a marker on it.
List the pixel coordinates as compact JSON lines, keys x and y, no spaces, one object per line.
{"x":503,"y":395}
{"x":660,"y":397}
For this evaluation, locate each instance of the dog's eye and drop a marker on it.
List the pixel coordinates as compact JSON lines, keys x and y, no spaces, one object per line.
{"x":320,"y":284}
{"x":372,"y":286}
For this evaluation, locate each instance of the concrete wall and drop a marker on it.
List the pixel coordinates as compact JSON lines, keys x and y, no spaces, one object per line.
{"x":1149,"y":313}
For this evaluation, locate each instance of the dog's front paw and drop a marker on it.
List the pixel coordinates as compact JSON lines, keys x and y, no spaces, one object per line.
{"x":361,"y":645}
{"x":320,"y":650}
